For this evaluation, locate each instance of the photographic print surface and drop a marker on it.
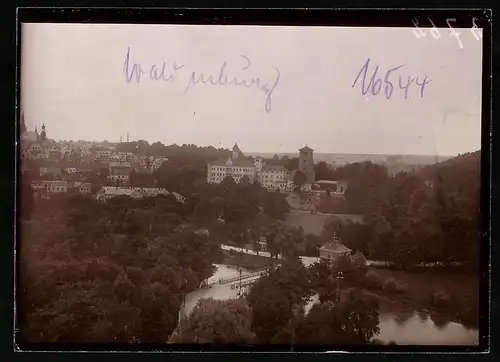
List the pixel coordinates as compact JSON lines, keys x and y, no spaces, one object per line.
{"x":249,"y":185}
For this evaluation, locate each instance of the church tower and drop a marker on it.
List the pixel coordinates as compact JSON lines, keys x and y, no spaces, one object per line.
{"x":236,"y":151}
{"x":43,"y":134}
{"x":306,"y":164}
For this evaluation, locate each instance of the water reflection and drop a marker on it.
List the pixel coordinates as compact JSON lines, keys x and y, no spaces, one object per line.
{"x":400,"y":321}
{"x":424,"y":331}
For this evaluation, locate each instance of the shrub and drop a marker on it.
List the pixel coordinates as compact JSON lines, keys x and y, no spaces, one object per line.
{"x":440,"y":298}
{"x":359,"y":260}
{"x":392,"y":285}
{"x":372,"y":280}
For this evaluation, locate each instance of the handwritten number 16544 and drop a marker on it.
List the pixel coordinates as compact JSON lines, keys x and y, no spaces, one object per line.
{"x":375,"y":84}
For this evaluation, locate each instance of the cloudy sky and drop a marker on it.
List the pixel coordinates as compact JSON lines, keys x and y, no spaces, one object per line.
{"x":299,"y":89}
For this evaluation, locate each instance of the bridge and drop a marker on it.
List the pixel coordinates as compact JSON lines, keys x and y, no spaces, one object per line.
{"x":245,"y":279}
{"x":244,"y":283}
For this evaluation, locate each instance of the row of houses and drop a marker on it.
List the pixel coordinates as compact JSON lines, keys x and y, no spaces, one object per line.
{"x":108,"y":192}
{"x":47,"y":188}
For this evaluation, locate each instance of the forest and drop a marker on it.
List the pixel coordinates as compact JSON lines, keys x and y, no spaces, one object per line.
{"x":118,"y":272}
{"x":429,"y":215}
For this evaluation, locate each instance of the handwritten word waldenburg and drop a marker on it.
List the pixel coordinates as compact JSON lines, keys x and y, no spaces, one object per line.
{"x":171,"y":71}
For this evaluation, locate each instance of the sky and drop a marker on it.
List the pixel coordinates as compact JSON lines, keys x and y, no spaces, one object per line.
{"x":298,"y":91}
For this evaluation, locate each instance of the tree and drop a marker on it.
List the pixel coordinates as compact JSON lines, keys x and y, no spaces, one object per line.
{"x":299,"y":179}
{"x":355,"y":320}
{"x":291,"y":164}
{"x":274,"y":296}
{"x":275,"y":206}
{"x":323,"y":172}
{"x":216,"y":322}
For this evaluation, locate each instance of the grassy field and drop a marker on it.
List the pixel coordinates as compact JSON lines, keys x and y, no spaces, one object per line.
{"x":313,"y":223}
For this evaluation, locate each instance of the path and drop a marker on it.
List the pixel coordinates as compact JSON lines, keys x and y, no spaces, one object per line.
{"x":306,"y":260}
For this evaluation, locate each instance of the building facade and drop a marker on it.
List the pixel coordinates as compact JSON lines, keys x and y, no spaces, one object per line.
{"x":273,"y":176}
{"x":119,"y":172}
{"x":236,"y":166}
{"x":278,"y":177}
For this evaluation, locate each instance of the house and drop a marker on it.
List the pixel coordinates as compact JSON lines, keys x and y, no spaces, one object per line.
{"x":53,"y":171}
{"x":333,"y":250}
{"x":119,"y":171}
{"x":108,"y":192}
{"x":45,"y":188}
{"x":333,"y":187}
{"x":83,"y":187}
{"x":155,"y":191}
{"x":273,"y":176}
{"x":236,"y":166}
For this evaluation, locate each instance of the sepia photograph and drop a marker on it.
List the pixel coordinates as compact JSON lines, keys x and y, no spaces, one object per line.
{"x":249,"y":185}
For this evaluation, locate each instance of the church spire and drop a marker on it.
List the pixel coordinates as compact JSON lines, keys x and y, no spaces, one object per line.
{"x":236,"y":151}
{"x":23,"y":124}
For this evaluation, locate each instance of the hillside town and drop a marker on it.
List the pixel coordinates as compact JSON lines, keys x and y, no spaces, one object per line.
{"x":101,"y":170}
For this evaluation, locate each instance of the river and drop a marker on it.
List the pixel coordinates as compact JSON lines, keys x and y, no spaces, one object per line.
{"x":397,"y":324}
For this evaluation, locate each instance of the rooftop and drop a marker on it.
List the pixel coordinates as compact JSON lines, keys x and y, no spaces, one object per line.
{"x":236,"y":148}
{"x":335,"y":246}
{"x":237,"y":162}
{"x":274,"y":167}
{"x":306,"y":149}
{"x":119,"y":164}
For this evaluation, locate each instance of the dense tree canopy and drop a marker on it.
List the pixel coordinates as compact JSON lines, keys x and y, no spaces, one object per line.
{"x":429,"y":215}
{"x":216,"y":322}
{"x":110,"y":272}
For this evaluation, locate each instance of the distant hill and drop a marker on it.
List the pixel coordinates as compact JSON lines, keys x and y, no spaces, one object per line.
{"x":394,"y":163}
{"x":469,"y":163}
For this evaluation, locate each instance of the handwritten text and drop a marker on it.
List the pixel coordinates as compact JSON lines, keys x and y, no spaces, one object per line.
{"x":170,"y":71}
{"x":436,"y":34}
{"x":375,"y":84}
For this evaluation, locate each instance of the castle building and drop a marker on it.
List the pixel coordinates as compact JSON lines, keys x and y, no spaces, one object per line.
{"x":236,"y":166}
{"x":270,"y":176}
{"x":306,"y":164}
